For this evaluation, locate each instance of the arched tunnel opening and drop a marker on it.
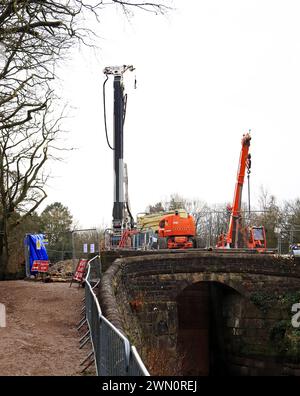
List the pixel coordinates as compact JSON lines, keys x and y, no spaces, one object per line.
{"x":201,"y":342}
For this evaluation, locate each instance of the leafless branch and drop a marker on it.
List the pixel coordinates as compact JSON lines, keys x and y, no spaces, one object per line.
{"x":35,"y":35}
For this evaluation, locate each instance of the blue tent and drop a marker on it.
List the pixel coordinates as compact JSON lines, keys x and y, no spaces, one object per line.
{"x":36,"y":250}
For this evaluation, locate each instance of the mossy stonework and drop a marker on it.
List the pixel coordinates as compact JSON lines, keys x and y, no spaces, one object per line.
{"x":223,"y":314}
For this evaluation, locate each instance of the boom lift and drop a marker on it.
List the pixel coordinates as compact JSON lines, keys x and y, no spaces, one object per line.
{"x":176,"y":232}
{"x":152,"y":220}
{"x":237,"y":237}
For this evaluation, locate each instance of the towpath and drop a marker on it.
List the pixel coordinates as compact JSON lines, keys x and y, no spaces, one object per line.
{"x":40,"y":337}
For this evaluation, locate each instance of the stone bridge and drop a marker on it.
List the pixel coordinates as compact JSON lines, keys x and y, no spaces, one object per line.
{"x":207,"y":313}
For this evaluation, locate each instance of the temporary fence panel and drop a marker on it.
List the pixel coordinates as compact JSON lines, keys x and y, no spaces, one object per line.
{"x":136,"y":365}
{"x":59,"y":246}
{"x":114,"y":350}
{"x":114,"y":355}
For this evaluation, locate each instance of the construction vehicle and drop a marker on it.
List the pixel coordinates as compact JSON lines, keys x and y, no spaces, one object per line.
{"x":238,"y":236}
{"x":178,"y":229}
{"x":163,"y":230}
{"x":122,"y":217}
{"x":176,"y":232}
{"x":257,"y":238}
{"x":151,"y":220}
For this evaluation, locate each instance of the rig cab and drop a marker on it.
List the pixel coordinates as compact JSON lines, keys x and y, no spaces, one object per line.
{"x":257,"y":238}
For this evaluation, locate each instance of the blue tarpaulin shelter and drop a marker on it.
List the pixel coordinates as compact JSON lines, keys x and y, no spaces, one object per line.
{"x":35,"y":249}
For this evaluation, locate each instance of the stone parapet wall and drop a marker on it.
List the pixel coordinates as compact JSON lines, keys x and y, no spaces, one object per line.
{"x":140,"y":296}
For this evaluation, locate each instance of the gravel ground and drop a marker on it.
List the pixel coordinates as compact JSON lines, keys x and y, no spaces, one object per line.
{"x":40,"y":337}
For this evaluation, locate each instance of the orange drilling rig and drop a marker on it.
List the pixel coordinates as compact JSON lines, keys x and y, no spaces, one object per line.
{"x":238,"y":237}
{"x":173,"y":230}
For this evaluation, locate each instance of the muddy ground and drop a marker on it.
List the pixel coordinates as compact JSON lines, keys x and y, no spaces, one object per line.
{"x":40,"y":337}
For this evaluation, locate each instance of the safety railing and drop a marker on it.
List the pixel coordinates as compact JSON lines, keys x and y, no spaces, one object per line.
{"x":112,"y":352}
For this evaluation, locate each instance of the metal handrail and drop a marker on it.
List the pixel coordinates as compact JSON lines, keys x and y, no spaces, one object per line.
{"x":139,"y":363}
{"x":113,"y":353}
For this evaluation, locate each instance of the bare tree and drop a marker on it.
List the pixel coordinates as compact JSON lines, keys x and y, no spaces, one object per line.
{"x":23,"y":153}
{"x":34,"y":36}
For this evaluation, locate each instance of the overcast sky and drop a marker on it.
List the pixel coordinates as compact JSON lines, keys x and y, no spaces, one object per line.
{"x":207,"y":73}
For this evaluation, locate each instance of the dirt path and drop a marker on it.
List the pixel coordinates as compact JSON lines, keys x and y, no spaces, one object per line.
{"x":40,"y":337}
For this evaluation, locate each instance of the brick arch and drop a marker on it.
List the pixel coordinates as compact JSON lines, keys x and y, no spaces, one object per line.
{"x":222,"y":278}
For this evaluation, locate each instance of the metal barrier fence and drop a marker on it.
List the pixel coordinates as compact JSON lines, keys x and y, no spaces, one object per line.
{"x":142,"y":240}
{"x":113,"y":353}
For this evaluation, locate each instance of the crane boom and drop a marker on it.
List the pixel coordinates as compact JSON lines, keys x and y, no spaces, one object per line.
{"x":237,"y":236}
{"x":237,"y":198}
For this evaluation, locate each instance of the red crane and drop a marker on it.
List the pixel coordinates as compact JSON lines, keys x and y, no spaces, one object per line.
{"x":252,"y":237}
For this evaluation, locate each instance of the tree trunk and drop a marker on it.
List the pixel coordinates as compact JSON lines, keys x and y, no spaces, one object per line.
{"x":3,"y":250}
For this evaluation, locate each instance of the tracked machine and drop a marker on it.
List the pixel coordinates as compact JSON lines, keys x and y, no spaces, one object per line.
{"x":237,"y":236}
{"x":122,"y":218}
